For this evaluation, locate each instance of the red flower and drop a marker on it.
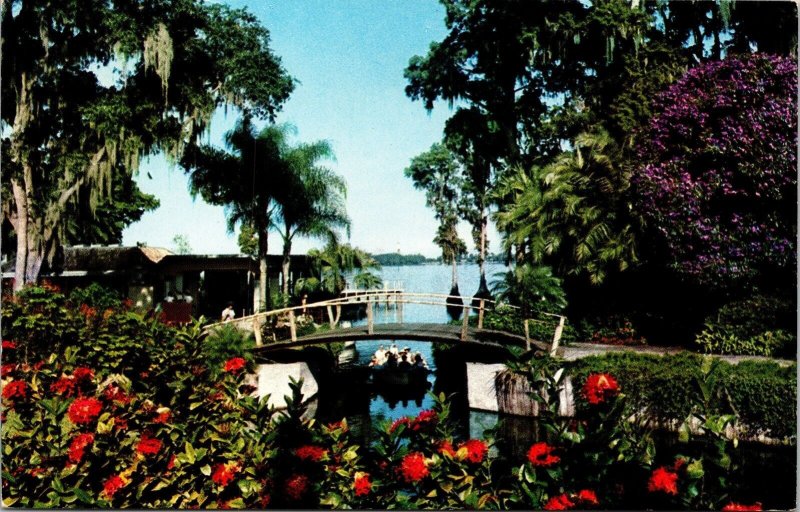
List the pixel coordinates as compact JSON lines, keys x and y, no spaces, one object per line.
{"x":424,"y":420}
{"x":148,"y":445}
{"x":588,"y":496}
{"x":447,"y":447}
{"x":114,"y":393}
{"x":599,"y":387}
{"x":264,"y":500}
{"x":15,"y":388}
{"x":679,"y":463}
{"x":476,"y":450}
{"x":63,"y":386}
{"x":87,"y":311}
{"x":84,"y":410}
{"x":560,"y":502}
{"x":738,"y":507}
{"x":120,"y":423}
{"x":663,"y":480}
{"x":224,"y":473}
{"x":310,"y":452}
{"x":413,"y":468}
{"x":362,"y":485}
{"x":234,"y":365}
{"x":7,"y":368}
{"x":163,"y":416}
{"x":78,"y":445}
{"x":338,"y":425}
{"x":540,"y":454}
{"x":397,"y":423}
{"x":82,"y":373}
{"x":171,"y":463}
{"x":296,"y":486}
{"x":9,"y":345}
{"x":112,"y":485}
{"x":37,"y":471}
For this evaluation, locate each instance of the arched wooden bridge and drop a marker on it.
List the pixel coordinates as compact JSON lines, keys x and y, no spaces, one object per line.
{"x":337,"y":331}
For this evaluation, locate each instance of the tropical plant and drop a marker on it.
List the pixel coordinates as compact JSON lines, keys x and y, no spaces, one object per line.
{"x":330,"y":267}
{"x":534,"y":289}
{"x":312,"y":202}
{"x":245,"y":181}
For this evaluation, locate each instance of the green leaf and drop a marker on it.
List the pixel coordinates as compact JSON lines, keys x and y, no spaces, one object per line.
{"x":206,"y":470}
{"x":191,"y":455}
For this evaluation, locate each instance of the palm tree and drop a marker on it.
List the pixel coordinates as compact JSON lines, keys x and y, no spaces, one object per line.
{"x":533,"y":288}
{"x":574,"y":213}
{"x":312,"y":203}
{"x":330,"y":267}
{"x":244,"y":180}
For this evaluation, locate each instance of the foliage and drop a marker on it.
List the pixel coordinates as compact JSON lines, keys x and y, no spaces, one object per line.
{"x":758,"y":325}
{"x":762,"y":393}
{"x":226,"y":342}
{"x":534,"y":289}
{"x":181,"y":244}
{"x":329,"y":269}
{"x":97,"y":296}
{"x":395,"y":259}
{"x":719,"y":176}
{"x":73,"y":129}
{"x":610,"y":330}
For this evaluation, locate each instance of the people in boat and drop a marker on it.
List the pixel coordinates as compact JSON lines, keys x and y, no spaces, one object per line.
{"x":419,"y":362}
{"x":393,"y":349}
{"x":374,"y":362}
{"x":391,"y":360}
{"x":404,"y":364}
{"x":380,"y":355}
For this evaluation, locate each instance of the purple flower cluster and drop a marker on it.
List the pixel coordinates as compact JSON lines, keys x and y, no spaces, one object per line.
{"x":718,"y":167}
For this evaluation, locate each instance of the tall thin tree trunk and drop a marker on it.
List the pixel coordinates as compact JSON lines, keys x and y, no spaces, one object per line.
{"x":21,"y":205}
{"x":454,"y":280}
{"x":263,"y":280}
{"x":287,"y":261}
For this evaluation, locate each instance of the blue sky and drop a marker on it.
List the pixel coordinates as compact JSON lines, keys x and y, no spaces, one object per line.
{"x":348,"y":57}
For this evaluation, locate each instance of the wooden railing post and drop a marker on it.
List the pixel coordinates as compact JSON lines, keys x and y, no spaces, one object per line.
{"x":370,"y":321}
{"x":338,"y":314}
{"x":292,"y":325}
{"x":331,"y":322}
{"x":557,"y":336}
{"x":257,"y":330}
{"x":465,"y":324}
{"x":480,"y":314}
{"x":527,"y":335}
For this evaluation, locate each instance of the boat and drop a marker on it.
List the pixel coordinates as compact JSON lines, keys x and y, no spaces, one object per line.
{"x":400,"y":377}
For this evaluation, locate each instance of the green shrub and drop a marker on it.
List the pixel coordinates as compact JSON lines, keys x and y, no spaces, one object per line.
{"x":763,"y":394}
{"x":224,"y":343}
{"x":96,"y":296}
{"x":509,"y":319}
{"x":758,"y":325}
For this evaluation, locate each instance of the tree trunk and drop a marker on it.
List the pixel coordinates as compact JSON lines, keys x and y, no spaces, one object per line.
{"x":287,"y":261}
{"x":482,"y":253}
{"x":263,"y":281}
{"x":454,"y":279}
{"x":21,"y":205}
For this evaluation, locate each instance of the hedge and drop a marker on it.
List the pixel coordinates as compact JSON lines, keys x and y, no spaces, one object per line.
{"x":763,"y":394}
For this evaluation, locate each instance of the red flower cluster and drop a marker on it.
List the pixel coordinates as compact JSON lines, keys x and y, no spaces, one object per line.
{"x":560,"y":502}
{"x":82,"y":373}
{"x":223,"y":473}
{"x":112,"y":485}
{"x":413,"y":468}
{"x":311,"y":452}
{"x":541,"y":454}
{"x":63,"y":386}
{"x":7,"y":368}
{"x":584,"y":498}
{"x":84,"y":410}
{"x":424,"y":420}
{"x":163,"y":416}
{"x":148,"y":445}
{"x":88,"y":311}
{"x":600,"y":387}
{"x":396,"y":424}
{"x":664,"y":480}
{"x":296,"y":486}
{"x":15,"y":388}
{"x":476,"y":450}
{"x":362,"y":485}
{"x":234,"y":365}
{"x":447,"y":447}
{"x":738,"y":507}
{"x":9,"y":345}
{"x":78,"y":445}
{"x":114,"y":393}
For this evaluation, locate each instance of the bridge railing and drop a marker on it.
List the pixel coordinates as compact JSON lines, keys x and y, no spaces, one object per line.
{"x":398,"y":298}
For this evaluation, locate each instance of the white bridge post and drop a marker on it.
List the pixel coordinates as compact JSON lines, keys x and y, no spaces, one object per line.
{"x":557,"y":336}
{"x":480,"y":314}
{"x":370,"y":314}
{"x":527,"y":335}
{"x":465,"y":324}
{"x":292,"y":325}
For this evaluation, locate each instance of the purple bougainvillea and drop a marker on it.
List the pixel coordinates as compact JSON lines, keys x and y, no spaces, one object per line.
{"x":719,"y":163}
